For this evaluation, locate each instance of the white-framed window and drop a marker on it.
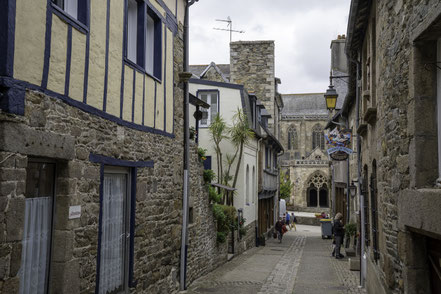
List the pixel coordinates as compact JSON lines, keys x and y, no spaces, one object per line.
{"x":144,"y":38}
{"x":212,"y":98}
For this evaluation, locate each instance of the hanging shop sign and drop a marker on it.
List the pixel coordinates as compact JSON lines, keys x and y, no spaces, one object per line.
{"x":339,"y":142}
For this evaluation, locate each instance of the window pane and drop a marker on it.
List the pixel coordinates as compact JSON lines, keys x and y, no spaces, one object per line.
{"x":40,"y":179}
{"x":204,"y":119}
{"x":71,"y":7}
{"x":112,"y":247}
{"x":213,"y":106}
{"x":149,"y":44}
{"x":132,"y":21}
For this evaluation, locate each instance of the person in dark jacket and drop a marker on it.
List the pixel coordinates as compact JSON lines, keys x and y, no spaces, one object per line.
{"x":279,"y":228}
{"x":339,"y":233}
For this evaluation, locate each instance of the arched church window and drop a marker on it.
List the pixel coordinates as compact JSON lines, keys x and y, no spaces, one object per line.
{"x":318,"y":138}
{"x":292,"y":139}
{"x":317,"y":192}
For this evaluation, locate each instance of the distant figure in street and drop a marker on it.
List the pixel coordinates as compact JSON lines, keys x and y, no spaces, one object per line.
{"x":293,"y":221}
{"x":339,"y":233}
{"x":279,"y":228}
{"x":288,"y":219}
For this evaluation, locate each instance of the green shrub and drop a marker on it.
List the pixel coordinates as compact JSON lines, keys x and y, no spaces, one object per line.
{"x":221,"y":237}
{"x":225,"y":217}
{"x":209,"y":175}
{"x":214,"y":196}
{"x":350,"y":229}
{"x":202,"y":152}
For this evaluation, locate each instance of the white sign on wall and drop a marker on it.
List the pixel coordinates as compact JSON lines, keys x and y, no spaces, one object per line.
{"x":74,"y":211}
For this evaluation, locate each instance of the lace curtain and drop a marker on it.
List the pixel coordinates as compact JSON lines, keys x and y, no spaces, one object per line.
{"x":112,"y":233}
{"x":36,"y":242}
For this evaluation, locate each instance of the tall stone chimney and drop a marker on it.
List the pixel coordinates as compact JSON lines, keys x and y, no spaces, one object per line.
{"x":338,"y":57}
{"x":252,"y":65}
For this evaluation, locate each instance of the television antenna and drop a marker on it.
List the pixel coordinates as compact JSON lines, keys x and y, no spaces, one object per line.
{"x":229,"y":27}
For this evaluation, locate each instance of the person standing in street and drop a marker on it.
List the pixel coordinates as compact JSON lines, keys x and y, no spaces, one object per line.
{"x":287,"y":220}
{"x":339,"y":233}
{"x":293,"y":221}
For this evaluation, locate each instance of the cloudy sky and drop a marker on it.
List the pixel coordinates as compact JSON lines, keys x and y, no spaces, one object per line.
{"x":302,"y":31}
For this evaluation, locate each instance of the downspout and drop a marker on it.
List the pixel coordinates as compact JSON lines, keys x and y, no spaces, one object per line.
{"x":186,"y":192}
{"x":360,"y":195}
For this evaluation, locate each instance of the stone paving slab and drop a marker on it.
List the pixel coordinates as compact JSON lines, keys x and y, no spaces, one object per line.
{"x":300,"y":264}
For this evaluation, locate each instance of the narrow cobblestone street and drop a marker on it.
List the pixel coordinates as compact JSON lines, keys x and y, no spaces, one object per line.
{"x":300,"y":264}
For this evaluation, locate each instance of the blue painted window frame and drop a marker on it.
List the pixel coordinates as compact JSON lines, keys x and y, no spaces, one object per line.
{"x":133,"y":167}
{"x":207,"y":162}
{"x":145,"y":8}
{"x":82,"y":23}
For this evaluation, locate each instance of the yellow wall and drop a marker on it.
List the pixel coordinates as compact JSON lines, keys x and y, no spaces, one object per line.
{"x":128,"y":94}
{"x":97,"y":54}
{"x":138,"y":98}
{"x":76,"y":85}
{"x":115,"y":57}
{"x":158,"y":7}
{"x":57,"y":64}
{"x":149,"y":112}
{"x":169,"y":83}
{"x":30,"y":28}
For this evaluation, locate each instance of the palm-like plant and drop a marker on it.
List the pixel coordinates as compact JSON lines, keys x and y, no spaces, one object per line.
{"x":240,"y":133}
{"x":218,"y":129}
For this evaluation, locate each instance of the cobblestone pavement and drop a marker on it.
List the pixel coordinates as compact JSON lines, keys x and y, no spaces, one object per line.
{"x":300,"y":264}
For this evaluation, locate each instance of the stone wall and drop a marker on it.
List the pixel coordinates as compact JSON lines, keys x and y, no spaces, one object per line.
{"x":402,"y":141}
{"x":204,"y":253}
{"x":53,"y":130}
{"x":305,"y":165}
{"x":252,"y":65}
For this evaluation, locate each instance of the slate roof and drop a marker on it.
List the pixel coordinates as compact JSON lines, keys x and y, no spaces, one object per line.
{"x":304,"y":104}
{"x":198,"y":70}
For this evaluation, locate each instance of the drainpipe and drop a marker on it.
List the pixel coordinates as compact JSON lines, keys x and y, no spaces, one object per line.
{"x":186,"y":192}
{"x":360,"y":195}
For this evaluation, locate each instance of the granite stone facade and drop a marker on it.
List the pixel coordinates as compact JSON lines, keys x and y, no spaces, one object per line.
{"x":53,"y":131}
{"x":303,"y":160}
{"x":395,"y":43}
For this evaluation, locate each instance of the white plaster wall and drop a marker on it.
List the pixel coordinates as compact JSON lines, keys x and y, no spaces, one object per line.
{"x":229,"y":102}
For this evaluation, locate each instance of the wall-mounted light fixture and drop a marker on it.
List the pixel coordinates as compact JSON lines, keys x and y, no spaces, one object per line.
{"x":331,"y":94}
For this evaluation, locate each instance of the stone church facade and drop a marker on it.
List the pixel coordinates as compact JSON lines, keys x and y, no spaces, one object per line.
{"x":302,"y":124}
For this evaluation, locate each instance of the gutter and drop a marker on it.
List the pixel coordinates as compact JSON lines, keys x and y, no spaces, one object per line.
{"x":186,"y":188}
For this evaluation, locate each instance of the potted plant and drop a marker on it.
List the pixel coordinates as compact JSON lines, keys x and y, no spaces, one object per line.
{"x":350,"y":231}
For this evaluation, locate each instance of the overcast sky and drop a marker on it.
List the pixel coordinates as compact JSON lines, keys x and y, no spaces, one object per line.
{"x":302,"y":31}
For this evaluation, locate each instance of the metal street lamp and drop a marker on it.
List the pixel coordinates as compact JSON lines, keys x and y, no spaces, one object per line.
{"x":331,"y":98}
{"x":331,"y":94}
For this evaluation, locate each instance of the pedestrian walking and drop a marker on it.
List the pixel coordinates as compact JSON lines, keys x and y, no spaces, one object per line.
{"x":293,"y":221}
{"x":339,"y":233}
{"x":288,"y":220}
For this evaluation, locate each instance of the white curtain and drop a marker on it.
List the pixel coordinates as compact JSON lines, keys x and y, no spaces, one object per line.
{"x":112,"y":234}
{"x":36,"y":241}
